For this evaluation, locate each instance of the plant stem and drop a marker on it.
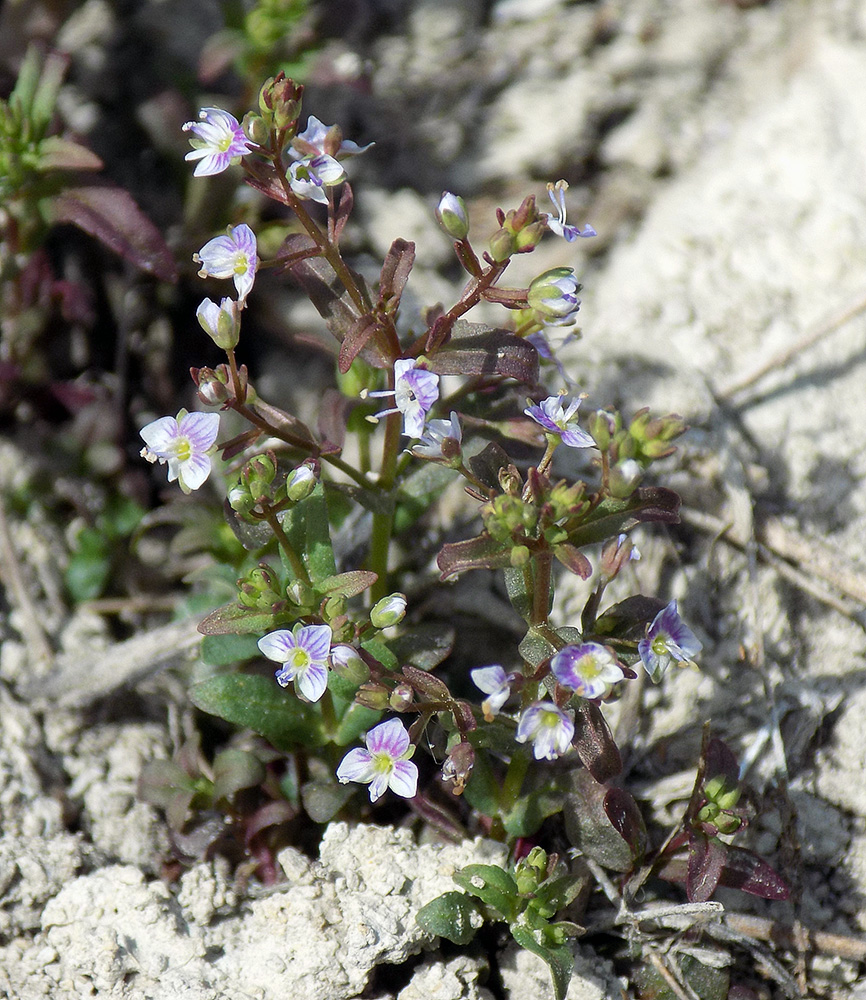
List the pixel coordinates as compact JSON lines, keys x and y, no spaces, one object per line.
{"x":295,"y":561}
{"x":383,"y":522}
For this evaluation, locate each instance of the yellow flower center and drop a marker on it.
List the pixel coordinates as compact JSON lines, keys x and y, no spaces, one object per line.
{"x":300,"y":659}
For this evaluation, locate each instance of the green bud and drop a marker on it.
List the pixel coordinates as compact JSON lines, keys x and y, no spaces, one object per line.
{"x":529,"y":237}
{"x":256,"y":128}
{"x":501,"y":245}
{"x":520,"y":556}
{"x":600,"y":428}
{"x":301,"y":483}
{"x":727,"y":823}
{"x":452,"y":217}
{"x":401,"y":697}
{"x":624,"y":478}
{"x":389,"y":611}
{"x":222,"y":323}
{"x":347,"y":663}
{"x":239,"y":497}
{"x":553,"y":296}
{"x":260,"y":588}
{"x":373,"y":696}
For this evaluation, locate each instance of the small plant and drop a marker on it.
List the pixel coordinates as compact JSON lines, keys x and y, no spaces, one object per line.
{"x":355,"y":659}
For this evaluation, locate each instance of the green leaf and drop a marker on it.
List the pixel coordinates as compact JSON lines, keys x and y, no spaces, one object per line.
{"x":63,"y":154}
{"x":450,"y":916}
{"x":707,"y":982}
{"x":494,"y":886}
{"x":89,"y":566}
{"x":307,"y":528}
{"x":559,"y":958}
{"x":588,"y":825}
{"x":419,"y":491}
{"x":379,"y":651}
{"x":221,"y":650}
{"x":258,"y":703}
{"x":482,"y":790}
{"x":233,"y":619}
{"x":532,"y":808}
{"x":324,"y":799}
{"x":348,"y":584}
{"x":356,"y":720}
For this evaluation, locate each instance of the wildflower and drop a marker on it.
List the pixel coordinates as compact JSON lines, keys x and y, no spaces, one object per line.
{"x":384,"y":764}
{"x":667,"y":639}
{"x":318,"y":138}
{"x":590,"y":669}
{"x":440,"y":440}
{"x":300,"y":483}
{"x":557,"y":420}
{"x":389,"y":611}
{"x":185,"y":443}
{"x":231,"y":256}
{"x":550,"y":728}
{"x":347,"y":663}
{"x":496,"y":684}
{"x":309,"y":177}
{"x":304,"y":655}
{"x":557,"y":196}
{"x":415,"y":391}
{"x":552,"y":296}
{"x":218,"y":141}
{"x":452,"y":217}
{"x":222,"y":323}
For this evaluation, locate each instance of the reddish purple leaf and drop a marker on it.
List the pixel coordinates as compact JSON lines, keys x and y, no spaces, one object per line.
{"x":747,"y":871}
{"x":625,"y":817}
{"x":476,"y":349}
{"x":706,"y":861}
{"x":481,"y":552}
{"x":344,"y":209}
{"x":112,"y":216}
{"x":595,"y":746}
{"x":720,"y":761}
{"x":573,"y":560}
{"x":395,"y":271}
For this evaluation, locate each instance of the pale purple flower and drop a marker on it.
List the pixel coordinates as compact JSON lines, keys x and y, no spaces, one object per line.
{"x":556,"y":419}
{"x":184,"y":442}
{"x":318,"y":138}
{"x":231,"y":256}
{"x":415,"y":391}
{"x":557,"y":196}
{"x":496,"y":684}
{"x":309,"y":177}
{"x":541,"y":341}
{"x":384,"y":764}
{"x":590,"y":669}
{"x":304,"y":655}
{"x":218,"y":141}
{"x":550,"y":728}
{"x":435,"y":435}
{"x":667,"y":639}
{"x":553,"y":297}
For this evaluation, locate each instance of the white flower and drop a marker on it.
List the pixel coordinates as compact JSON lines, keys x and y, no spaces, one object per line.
{"x":183,"y":442}
{"x":304,"y":655}
{"x":231,"y":256}
{"x":384,"y":764}
{"x":550,"y":728}
{"x":219,"y":141}
{"x":496,"y":684}
{"x":309,"y":177}
{"x":557,"y":196}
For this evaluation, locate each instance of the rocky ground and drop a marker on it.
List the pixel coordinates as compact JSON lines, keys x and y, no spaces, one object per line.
{"x":719,"y":148}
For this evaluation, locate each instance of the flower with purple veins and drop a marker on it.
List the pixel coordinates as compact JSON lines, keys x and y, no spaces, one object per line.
{"x":551,"y":729}
{"x":185,"y":443}
{"x":668,"y":639}
{"x":541,"y":341}
{"x":318,"y":138}
{"x":304,"y":655}
{"x":590,"y":669}
{"x":415,"y":391}
{"x":231,"y":256}
{"x":555,"y":419}
{"x":570,"y":233}
{"x":309,"y":177}
{"x":496,"y":684}
{"x":552,"y":297}
{"x":384,"y":764}
{"x":435,"y":439}
{"x":218,"y":141}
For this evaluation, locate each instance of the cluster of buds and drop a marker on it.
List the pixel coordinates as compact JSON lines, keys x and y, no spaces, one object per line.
{"x":718,"y":811}
{"x":521,"y":230}
{"x":280,"y":106}
{"x":261,"y":588}
{"x":256,"y":488}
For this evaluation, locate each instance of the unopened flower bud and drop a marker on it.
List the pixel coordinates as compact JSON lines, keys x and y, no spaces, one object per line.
{"x":401,"y":697}
{"x":389,"y":611}
{"x":458,"y":766}
{"x":601,"y":428}
{"x":553,"y":297}
{"x":519,"y":556}
{"x":239,"y":497}
{"x":624,"y":478}
{"x":211,"y":387}
{"x":260,"y":588}
{"x":373,"y":696}
{"x":452,"y":217}
{"x":255,"y":128}
{"x":347,"y":663}
{"x":529,"y":237}
{"x":222,"y":323}
{"x":300,"y":483}
{"x":501,"y":245}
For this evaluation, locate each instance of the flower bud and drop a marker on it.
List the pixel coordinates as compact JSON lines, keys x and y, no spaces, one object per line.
{"x":373,"y":696}
{"x":255,"y":128}
{"x":529,"y":237}
{"x":211,"y":387}
{"x":624,"y":478}
{"x":553,"y":297}
{"x":401,"y":697}
{"x":239,"y":497}
{"x":300,"y":483}
{"x":347,"y":663}
{"x":458,"y":765}
{"x":260,"y":588}
{"x":452,"y":217}
{"x":519,"y":556}
{"x":601,"y":426}
{"x":222,"y":323}
{"x":501,"y":245}
{"x":389,"y":611}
